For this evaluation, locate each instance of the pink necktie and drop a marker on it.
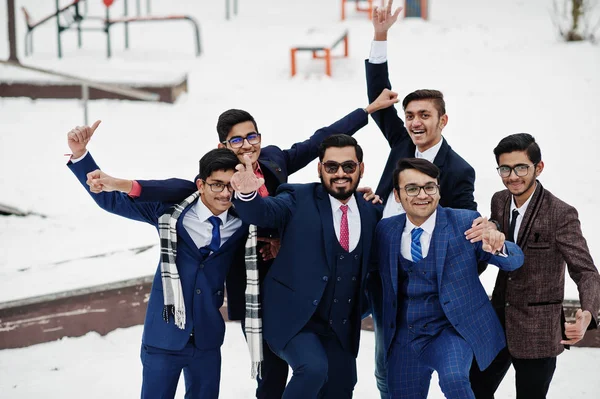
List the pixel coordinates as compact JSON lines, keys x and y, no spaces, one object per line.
{"x":344,"y":233}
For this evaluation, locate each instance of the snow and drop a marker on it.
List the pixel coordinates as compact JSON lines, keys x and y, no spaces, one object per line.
{"x":500,"y":65}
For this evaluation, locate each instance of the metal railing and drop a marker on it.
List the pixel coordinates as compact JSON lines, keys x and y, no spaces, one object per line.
{"x":86,"y":84}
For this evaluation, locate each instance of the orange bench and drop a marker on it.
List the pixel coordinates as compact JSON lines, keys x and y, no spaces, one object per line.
{"x":368,"y":9}
{"x":321,"y":42}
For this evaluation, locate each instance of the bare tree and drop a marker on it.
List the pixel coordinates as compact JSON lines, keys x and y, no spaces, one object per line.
{"x":576,"y":20}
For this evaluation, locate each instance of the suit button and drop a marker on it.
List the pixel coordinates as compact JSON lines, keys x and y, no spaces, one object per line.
{"x":219,"y":292}
{"x":330,"y":321}
{"x":507,"y":304}
{"x":349,"y":300}
{"x":339,"y":279}
{"x":325,"y":278}
{"x":355,"y":256}
{"x":202,"y":266}
{"x":341,"y":256}
{"x":198,"y":292}
{"x":510,"y":279}
{"x":335,"y":300}
{"x":315,"y":302}
{"x":353,"y":278}
{"x":344,"y":321}
{"x":410,"y":326}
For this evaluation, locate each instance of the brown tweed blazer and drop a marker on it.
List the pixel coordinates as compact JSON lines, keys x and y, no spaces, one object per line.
{"x":550,"y":237}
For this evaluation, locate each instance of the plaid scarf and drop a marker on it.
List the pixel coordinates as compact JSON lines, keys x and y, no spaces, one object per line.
{"x":172,"y":292}
{"x":253,"y":320}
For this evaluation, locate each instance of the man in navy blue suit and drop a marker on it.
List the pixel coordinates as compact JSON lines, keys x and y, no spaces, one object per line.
{"x":436,"y":314}
{"x":238,"y":131}
{"x":312,"y":294}
{"x":419,"y":136}
{"x":201,"y":238}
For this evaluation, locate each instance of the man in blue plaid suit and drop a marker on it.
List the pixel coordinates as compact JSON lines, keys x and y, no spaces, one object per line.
{"x":436,"y":313}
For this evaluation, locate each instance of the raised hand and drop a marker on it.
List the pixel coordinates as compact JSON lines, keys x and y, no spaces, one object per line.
{"x":100,"y":181}
{"x":369,"y":195}
{"x":478,"y":229}
{"x":78,"y":138}
{"x":383,"y":19}
{"x":244,"y":181}
{"x":386,"y":99}
{"x":493,"y":241}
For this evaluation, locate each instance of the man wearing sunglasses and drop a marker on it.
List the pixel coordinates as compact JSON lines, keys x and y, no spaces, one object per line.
{"x":238,"y":131}
{"x":436,"y":314}
{"x":312,"y":295}
{"x":529,"y":301}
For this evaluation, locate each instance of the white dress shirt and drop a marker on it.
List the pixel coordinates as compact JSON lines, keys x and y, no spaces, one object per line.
{"x":200,"y":229}
{"x":522,"y":211}
{"x":353,"y":221}
{"x":425,"y":239}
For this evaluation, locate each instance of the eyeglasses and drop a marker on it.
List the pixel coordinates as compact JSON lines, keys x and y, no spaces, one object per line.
{"x":332,"y":167}
{"x":238,"y":141}
{"x":520,"y":170}
{"x":219,"y":187}
{"x":412,"y":190}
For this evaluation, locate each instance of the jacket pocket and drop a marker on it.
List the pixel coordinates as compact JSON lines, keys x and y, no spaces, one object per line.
{"x":544,"y":303}
{"x":538,"y":245}
{"x":283,"y":284}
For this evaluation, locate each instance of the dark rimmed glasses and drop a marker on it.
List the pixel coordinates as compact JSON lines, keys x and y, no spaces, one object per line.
{"x":238,"y":141}
{"x":332,"y":167}
{"x":520,"y":170}
{"x":219,"y":187}
{"x":412,"y":190}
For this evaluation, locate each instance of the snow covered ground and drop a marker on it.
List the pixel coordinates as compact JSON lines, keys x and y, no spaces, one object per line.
{"x":500,"y":66}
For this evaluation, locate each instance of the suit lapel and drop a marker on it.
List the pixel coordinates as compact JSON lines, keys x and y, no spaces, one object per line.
{"x":181,"y":230}
{"x":326,"y":216}
{"x":530,"y":214}
{"x":440,"y":240}
{"x":394,"y":250}
{"x":440,"y":158}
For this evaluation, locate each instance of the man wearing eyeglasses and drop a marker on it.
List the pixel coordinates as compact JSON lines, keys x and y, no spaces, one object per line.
{"x":313,"y":293}
{"x":201,"y":240}
{"x":238,"y":131}
{"x":436,"y":314}
{"x":528,"y":301}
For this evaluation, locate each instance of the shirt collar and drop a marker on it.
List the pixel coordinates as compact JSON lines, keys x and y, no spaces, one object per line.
{"x":204,"y":213}
{"x":352,"y":205}
{"x":431,"y":153}
{"x":428,"y":226}
{"x":523,"y":207}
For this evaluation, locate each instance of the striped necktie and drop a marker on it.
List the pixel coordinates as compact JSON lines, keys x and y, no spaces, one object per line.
{"x":415,"y":245}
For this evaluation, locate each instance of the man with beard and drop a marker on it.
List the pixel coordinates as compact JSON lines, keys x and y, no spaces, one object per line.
{"x":312,"y":294}
{"x":528,"y":301}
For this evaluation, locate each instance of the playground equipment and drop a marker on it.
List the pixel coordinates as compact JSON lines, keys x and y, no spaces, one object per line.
{"x":416,"y":8}
{"x":73,"y":16}
{"x":321,"y":42}
{"x":368,"y":7}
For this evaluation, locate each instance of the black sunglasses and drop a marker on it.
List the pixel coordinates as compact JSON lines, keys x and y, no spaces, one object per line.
{"x":332,"y":167}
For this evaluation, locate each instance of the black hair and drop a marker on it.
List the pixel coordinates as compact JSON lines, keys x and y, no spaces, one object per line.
{"x":217,"y":159}
{"x":340,"y":141}
{"x":519,"y":142}
{"x":435,"y":96}
{"x":420,"y":164}
{"x":230,"y":118}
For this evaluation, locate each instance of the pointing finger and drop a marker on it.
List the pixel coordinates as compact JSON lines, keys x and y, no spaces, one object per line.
{"x":95,"y":126}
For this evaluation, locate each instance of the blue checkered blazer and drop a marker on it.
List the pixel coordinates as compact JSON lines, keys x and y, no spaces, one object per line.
{"x":461,"y":294}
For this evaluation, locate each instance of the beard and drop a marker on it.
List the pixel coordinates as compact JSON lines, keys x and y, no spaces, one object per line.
{"x":342,"y":193}
{"x":518,"y":194}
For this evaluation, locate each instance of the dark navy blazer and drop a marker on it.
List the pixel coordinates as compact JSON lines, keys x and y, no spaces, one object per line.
{"x":276,"y":165}
{"x":297,"y":279}
{"x":457,"y":177}
{"x":202,"y":280}
{"x":463,"y":298}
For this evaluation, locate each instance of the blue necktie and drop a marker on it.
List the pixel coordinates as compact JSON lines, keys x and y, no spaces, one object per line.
{"x":415,"y":244}
{"x":215,"y":241}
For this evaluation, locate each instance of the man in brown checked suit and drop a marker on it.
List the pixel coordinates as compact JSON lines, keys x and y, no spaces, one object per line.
{"x":529,"y":300}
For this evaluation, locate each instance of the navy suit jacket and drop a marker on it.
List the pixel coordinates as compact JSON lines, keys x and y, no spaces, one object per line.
{"x":297,"y":279}
{"x":461,"y":294}
{"x":457,"y":177}
{"x":276,"y":165}
{"x":202,"y":279}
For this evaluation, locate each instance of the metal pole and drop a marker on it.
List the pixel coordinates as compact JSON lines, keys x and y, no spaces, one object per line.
{"x":227,"y":10}
{"x":12,"y":36}
{"x":235,"y":7}
{"x":85,"y":96}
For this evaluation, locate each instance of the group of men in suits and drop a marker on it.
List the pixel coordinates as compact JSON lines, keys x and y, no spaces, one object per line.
{"x":329,"y":255}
